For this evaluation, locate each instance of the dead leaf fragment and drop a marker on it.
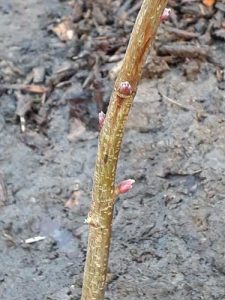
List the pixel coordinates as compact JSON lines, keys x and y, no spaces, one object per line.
{"x":209,"y":3}
{"x":74,"y":200}
{"x":29,"y":88}
{"x":38,"y":74}
{"x":64,"y":30}
{"x":24,"y":104}
{"x":77,"y":129}
{"x":10,"y":240}
{"x":36,"y":89}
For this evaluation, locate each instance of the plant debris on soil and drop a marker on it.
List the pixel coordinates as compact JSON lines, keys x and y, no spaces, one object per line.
{"x":58,"y":61}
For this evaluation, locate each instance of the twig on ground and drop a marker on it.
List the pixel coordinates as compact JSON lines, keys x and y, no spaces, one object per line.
{"x":174,"y":102}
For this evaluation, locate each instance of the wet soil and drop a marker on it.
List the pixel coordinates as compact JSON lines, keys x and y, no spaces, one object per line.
{"x":168,"y":232}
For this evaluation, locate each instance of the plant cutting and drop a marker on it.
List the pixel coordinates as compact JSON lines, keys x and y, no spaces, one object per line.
{"x":112,"y":126}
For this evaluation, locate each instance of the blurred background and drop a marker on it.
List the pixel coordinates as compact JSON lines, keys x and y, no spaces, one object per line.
{"x":58,"y":62}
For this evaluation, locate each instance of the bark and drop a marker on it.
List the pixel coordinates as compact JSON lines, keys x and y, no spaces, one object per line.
{"x":103,"y":195}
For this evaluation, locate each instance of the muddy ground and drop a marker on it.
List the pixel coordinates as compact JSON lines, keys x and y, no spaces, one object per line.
{"x":168,"y":232}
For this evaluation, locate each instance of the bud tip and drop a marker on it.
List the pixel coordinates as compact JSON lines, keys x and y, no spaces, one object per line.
{"x":101,"y":119}
{"x":166,"y":14}
{"x":125,"y":186}
{"x":125,"y":88}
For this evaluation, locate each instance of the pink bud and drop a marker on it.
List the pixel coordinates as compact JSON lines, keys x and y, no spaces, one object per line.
{"x":125,"y":186}
{"x":125,"y":88}
{"x":165,"y":15}
{"x":101,"y":119}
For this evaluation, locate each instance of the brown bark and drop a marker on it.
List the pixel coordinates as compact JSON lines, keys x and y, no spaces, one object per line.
{"x":103,"y":195}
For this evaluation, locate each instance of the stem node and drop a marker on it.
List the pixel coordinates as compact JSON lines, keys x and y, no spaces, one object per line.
{"x":104,"y":193}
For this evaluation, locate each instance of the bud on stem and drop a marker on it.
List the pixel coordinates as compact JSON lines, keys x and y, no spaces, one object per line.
{"x":124,"y":90}
{"x":124,"y":186}
{"x":165,"y":15}
{"x":101,"y":119}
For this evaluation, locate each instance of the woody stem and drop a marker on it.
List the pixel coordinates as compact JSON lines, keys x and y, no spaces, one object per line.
{"x":103,"y":194}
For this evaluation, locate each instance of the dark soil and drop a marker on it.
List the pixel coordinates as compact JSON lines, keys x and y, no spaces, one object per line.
{"x":168,"y":233}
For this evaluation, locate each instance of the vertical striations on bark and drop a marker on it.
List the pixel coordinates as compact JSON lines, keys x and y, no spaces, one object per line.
{"x":103,"y":194}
